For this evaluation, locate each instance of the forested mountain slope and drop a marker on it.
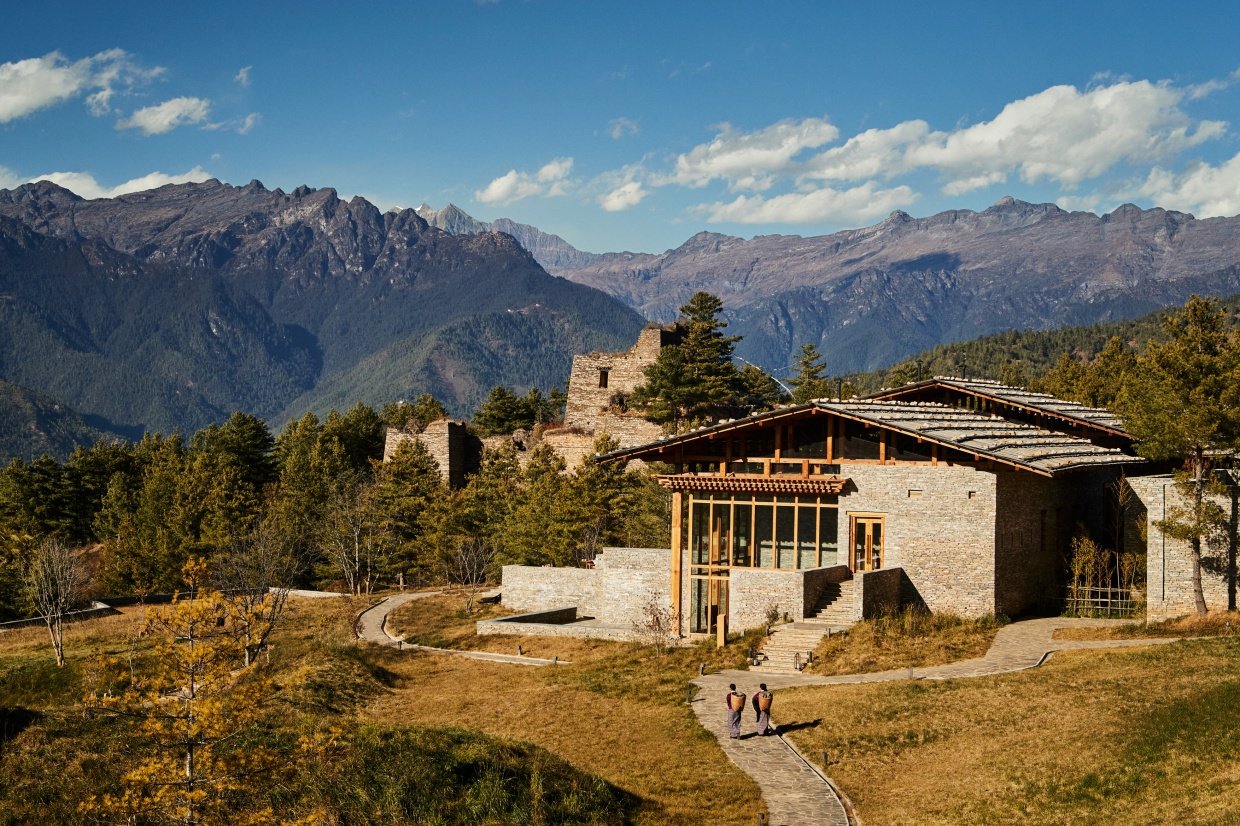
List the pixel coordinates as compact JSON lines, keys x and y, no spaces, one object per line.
{"x":173,"y":307}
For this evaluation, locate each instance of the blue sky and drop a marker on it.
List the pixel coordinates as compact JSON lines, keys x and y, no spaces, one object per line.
{"x":633,"y":125}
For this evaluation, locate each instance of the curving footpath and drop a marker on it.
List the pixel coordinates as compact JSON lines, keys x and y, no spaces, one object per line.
{"x":371,"y":626}
{"x":797,"y":792}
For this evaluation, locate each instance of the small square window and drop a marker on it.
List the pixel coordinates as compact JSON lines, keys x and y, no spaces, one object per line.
{"x":971,"y":495}
{"x":914,"y":494}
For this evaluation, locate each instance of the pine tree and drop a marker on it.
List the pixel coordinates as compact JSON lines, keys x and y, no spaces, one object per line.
{"x":811,"y":380}
{"x":1182,"y":402}
{"x":406,"y":487}
{"x":696,"y":377}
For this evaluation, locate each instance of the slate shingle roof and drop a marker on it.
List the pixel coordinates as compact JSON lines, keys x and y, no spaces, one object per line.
{"x":1017,"y":396}
{"x":981,"y":435}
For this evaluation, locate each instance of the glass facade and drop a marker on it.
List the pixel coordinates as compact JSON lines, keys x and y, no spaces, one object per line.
{"x":736,"y":530}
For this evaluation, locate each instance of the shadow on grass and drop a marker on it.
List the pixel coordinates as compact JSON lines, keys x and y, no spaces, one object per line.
{"x":13,"y":721}
{"x":784,"y":728}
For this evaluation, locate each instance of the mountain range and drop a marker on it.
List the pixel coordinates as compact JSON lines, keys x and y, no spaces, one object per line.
{"x":869,"y":297}
{"x":169,"y":309}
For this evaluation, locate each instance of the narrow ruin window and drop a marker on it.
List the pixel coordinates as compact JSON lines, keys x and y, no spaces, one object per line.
{"x":602,"y":376}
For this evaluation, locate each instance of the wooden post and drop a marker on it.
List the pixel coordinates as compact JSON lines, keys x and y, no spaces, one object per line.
{"x":677,"y":552}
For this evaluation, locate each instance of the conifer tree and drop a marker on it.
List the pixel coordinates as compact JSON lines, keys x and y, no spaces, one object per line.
{"x":811,"y":380}
{"x":1182,"y":402}
{"x":697,"y":376}
{"x":406,"y":486}
{"x":192,"y":709}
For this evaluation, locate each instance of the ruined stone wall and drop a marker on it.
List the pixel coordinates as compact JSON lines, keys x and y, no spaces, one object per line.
{"x":1169,"y":567}
{"x":588,"y":400}
{"x":447,"y":442}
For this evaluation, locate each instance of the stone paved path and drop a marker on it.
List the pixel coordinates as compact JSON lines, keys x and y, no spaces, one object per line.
{"x":371,"y":626}
{"x":798,"y":793}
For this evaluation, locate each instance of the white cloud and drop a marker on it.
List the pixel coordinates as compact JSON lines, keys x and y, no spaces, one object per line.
{"x":749,"y":160}
{"x":243,"y":76}
{"x":249,"y":122}
{"x":550,"y":180}
{"x":9,"y":178}
{"x":85,"y":184}
{"x":622,"y":128}
{"x":166,"y":116}
{"x":26,"y":86}
{"x":826,"y":205}
{"x":1204,"y":190}
{"x":1066,"y":135}
{"x":622,"y":197}
{"x":871,"y":154}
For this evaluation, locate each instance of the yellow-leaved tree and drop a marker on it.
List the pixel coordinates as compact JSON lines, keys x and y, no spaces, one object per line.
{"x":193,"y":707}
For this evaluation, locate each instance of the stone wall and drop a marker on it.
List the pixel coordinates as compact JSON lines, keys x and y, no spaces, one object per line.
{"x":615,"y":592}
{"x":527,"y":588}
{"x":1029,"y":530}
{"x":628,"y":578}
{"x":940,"y":528}
{"x":751,"y":591}
{"x":1169,"y":567}
{"x":588,"y":399}
{"x":879,"y":592}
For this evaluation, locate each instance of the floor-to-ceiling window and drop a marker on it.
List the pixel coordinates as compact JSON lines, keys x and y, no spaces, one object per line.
{"x":739,"y":530}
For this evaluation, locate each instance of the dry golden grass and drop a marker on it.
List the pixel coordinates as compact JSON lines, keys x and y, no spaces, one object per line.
{"x":617,"y":711}
{"x":441,"y":621}
{"x":644,"y":744}
{"x":1132,"y":736}
{"x":908,"y":639}
{"x":1213,"y":624}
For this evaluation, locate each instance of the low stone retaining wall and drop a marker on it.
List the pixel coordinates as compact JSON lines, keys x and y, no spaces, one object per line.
{"x":96,"y":609}
{"x":880,"y":591}
{"x":558,"y":622}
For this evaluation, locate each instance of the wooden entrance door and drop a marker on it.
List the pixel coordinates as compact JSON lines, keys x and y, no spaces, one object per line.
{"x":867,"y":542}
{"x":718,"y":610}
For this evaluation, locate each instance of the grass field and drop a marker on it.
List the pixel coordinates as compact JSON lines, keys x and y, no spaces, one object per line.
{"x":1142,"y":735}
{"x":608,"y":739}
{"x":909,"y":639}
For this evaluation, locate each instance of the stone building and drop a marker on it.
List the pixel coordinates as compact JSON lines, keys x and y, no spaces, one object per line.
{"x":957,"y":495}
{"x":598,"y":386}
{"x":1169,"y":567}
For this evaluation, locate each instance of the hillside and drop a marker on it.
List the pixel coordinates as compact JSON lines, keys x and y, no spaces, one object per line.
{"x":32,"y":424}
{"x":1020,"y":356}
{"x":169,"y":309}
{"x":872,"y":296}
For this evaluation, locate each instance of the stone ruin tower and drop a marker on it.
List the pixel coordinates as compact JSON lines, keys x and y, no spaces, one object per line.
{"x":598,"y":389}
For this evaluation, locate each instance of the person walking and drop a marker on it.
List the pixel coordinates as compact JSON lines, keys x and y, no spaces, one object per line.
{"x":762,"y":710}
{"x":736,"y":704}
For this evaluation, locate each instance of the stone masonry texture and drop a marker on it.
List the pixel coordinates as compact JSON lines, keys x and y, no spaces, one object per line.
{"x":1169,"y":568}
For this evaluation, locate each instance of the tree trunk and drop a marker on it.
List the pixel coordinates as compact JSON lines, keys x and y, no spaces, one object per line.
{"x":1199,"y":482}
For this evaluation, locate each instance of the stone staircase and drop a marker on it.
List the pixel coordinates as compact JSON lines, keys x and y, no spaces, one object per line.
{"x":789,"y":646}
{"x":836,"y":608}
